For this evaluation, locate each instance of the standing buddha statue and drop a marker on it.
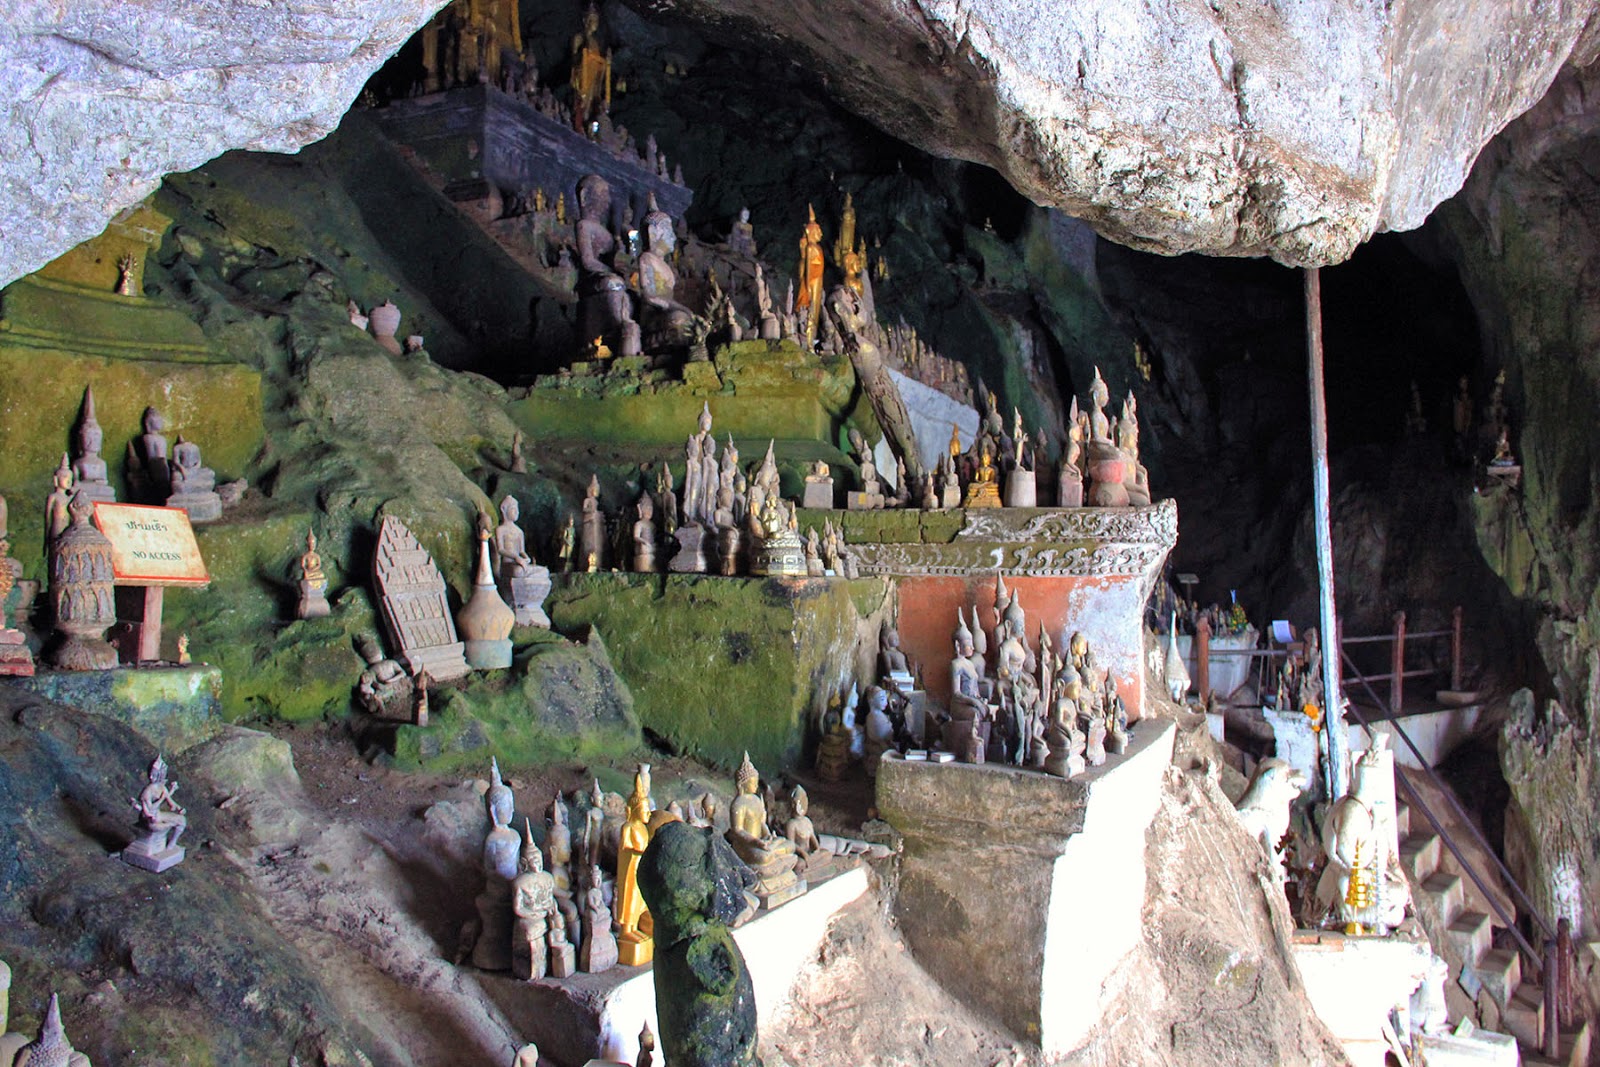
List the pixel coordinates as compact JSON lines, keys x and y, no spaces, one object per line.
{"x":635,"y":946}
{"x":812,"y":264}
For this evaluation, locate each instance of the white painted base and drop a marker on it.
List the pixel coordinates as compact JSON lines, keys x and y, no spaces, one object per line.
{"x":776,"y":945}
{"x":1354,"y":982}
{"x":1435,"y":733}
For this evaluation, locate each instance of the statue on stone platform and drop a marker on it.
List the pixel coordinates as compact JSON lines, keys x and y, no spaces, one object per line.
{"x":1109,"y":467}
{"x":524,"y":582}
{"x":162,"y":820}
{"x":665,"y":322}
{"x":767,"y":324}
{"x":705,"y":1002}
{"x":808,"y":301}
{"x":598,"y":951}
{"x":58,"y":505}
{"x":313,"y":602}
{"x":591,"y":72}
{"x":604,"y":307}
{"x":533,"y":903}
{"x":969,"y":718}
{"x":983,"y":491}
{"x":644,"y":536}
{"x":89,"y":469}
{"x":81,"y":585}
{"x":879,"y":729}
{"x":815,"y":861}
{"x":1069,"y":486}
{"x":383,"y":687}
{"x":501,"y":855}
{"x":742,"y":238}
{"x":1364,"y":882}
{"x":772,"y":858}
{"x":1066,"y":742}
{"x":635,"y":946}
{"x":193,"y":485}
{"x":1138,"y":479}
{"x":592,"y":540}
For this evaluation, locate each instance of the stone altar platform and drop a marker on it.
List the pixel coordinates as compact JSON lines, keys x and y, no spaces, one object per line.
{"x":478,"y":132}
{"x":599,"y":1015}
{"x":1088,"y":569}
{"x":1021,"y":892}
{"x":174,"y":708}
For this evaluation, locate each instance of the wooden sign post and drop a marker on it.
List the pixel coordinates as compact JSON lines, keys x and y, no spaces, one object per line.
{"x":153,"y":548}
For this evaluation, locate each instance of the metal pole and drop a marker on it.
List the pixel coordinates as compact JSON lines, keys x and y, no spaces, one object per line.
{"x":1338,"y":775}
{"x":1455,"y":649}
{"x":1397,"y":664}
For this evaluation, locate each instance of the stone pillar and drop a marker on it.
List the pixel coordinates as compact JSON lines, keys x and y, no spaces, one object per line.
{"x":1020,"y":892}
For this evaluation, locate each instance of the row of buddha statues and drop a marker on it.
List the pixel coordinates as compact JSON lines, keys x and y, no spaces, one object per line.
{"x":573,"y":902}
{"x":175,"y":479}
{"x":1049,"y":707}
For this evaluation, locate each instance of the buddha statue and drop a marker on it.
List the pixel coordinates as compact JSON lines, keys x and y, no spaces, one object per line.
{"x":523,"y":582}
{"x":563,"y":957}
{"x":892,"y":662}
{"x":532,"y":903}
{"x":1069,"y":483}
{"x":1066,"y":742}
{"x":984,"y":489}
{"x":313,"y":603}
{"x":665,"y":322}
{"x":501,"y":856}
{"x":58,"y":505}
{"x":808,"y":300}
{"x":383,"y":687}
{"x":592,"y":539}
{"x":147,"y":459}
{"x":833,"y":750}
{"x":742,"y":238}
{"x":815,"y":861}
{"x":591,"y":73}
{"x":604,"y":308}
{"x":89,"y":469}
{"x":772,"y":858}
{"x":644,"y":536}
{"x":1108,"y":465}
{"x":635,"y":946}
{"x":879,"y":729}
{"x":193,"y":485}
{"x":969,"y":716}
{"x":598,"y":950}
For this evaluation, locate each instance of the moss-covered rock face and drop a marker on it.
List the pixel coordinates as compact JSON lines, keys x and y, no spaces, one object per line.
{"x":719,"y":666}
{"x":173,"y":709}
{"x":560,"y":702}
{"x":139,"y":959}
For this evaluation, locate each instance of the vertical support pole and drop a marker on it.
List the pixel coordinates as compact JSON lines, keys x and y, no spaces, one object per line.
{"x":1338,"y":772}
{"x":1455,"y":649}
{"x":1397,"y":664}
{"x":150,"y":625}
{"x":1565,"y":965}
{"x":1202,"y":660}
{"x":1552,"y":1001}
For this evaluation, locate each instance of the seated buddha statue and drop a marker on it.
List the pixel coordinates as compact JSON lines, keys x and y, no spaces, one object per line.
{"x":770,"y":857}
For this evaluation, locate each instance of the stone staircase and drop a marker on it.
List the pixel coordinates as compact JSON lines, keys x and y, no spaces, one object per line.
{"x":1451,"y":911}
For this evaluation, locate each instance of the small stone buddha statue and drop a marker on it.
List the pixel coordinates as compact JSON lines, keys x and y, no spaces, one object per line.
{"x":644,"y":536}
{"x":742,"y":240}
{"x":604,"y":308}
{"x":879,"y":729}
{"x":532,"y":903}
{"x":58,"y":505}
{"x":635,"y":946}
{"x":665,"y":322}
{"x":523,"y":582}
{"x":815,"y":861}
{"x":1109,"y":467}
{"x":89,"y":469}
{"x":383,"y":688}
{"x":592,"y":539}
{"x":313,"y":603}
{"x":833,"y":751}
{"x":598,"y":951}
{"x":773,"y":859}
{"x":193,"y":485}
{"x":501,"y":856}
{"x":1065,"y":741}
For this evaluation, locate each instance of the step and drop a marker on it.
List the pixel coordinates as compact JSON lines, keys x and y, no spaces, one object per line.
{"x":1469,"y":937}
{"x":1523,"y":1016}
{"x":1419,"y":855}
{"x":1402,"y":819}
{"x":1574,"y":1051}
{"x":1500,"y":971}
{"x":1445,"y":892}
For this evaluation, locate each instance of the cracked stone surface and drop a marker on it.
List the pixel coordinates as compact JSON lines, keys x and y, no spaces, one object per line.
{"x":100,"y":98}
{"x":1289,"y":128}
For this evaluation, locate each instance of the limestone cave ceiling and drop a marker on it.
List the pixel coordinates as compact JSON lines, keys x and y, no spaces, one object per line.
{"x":1293,"y":130}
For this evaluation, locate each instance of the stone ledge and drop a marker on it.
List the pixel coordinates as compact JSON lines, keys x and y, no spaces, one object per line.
{"x":174,"y":708}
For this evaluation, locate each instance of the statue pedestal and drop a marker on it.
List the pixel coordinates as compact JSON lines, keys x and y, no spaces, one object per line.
{"x":858,"y":501}
{"x":1022,"y":489}
{"x":1021,"y":892}
{"x":149,"y":854}
{"x":818,"y":495}
{"x":691,"y":557}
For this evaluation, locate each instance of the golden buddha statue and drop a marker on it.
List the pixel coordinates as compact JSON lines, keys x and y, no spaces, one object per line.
{"x":854,"y":261}
{"x":845,"y":243}
{"x":561,"y":209}
{"x":772,"y":858}
{"x":809,"y":297}
{"x":591,"y":72}
{"x":311,"y":561}
{"x":955,"y":441}
{"x":984,"y":489}
{"x":635,"y":945}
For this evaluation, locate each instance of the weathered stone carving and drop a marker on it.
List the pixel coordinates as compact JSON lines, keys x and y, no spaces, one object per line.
{"x":412,"y":594}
